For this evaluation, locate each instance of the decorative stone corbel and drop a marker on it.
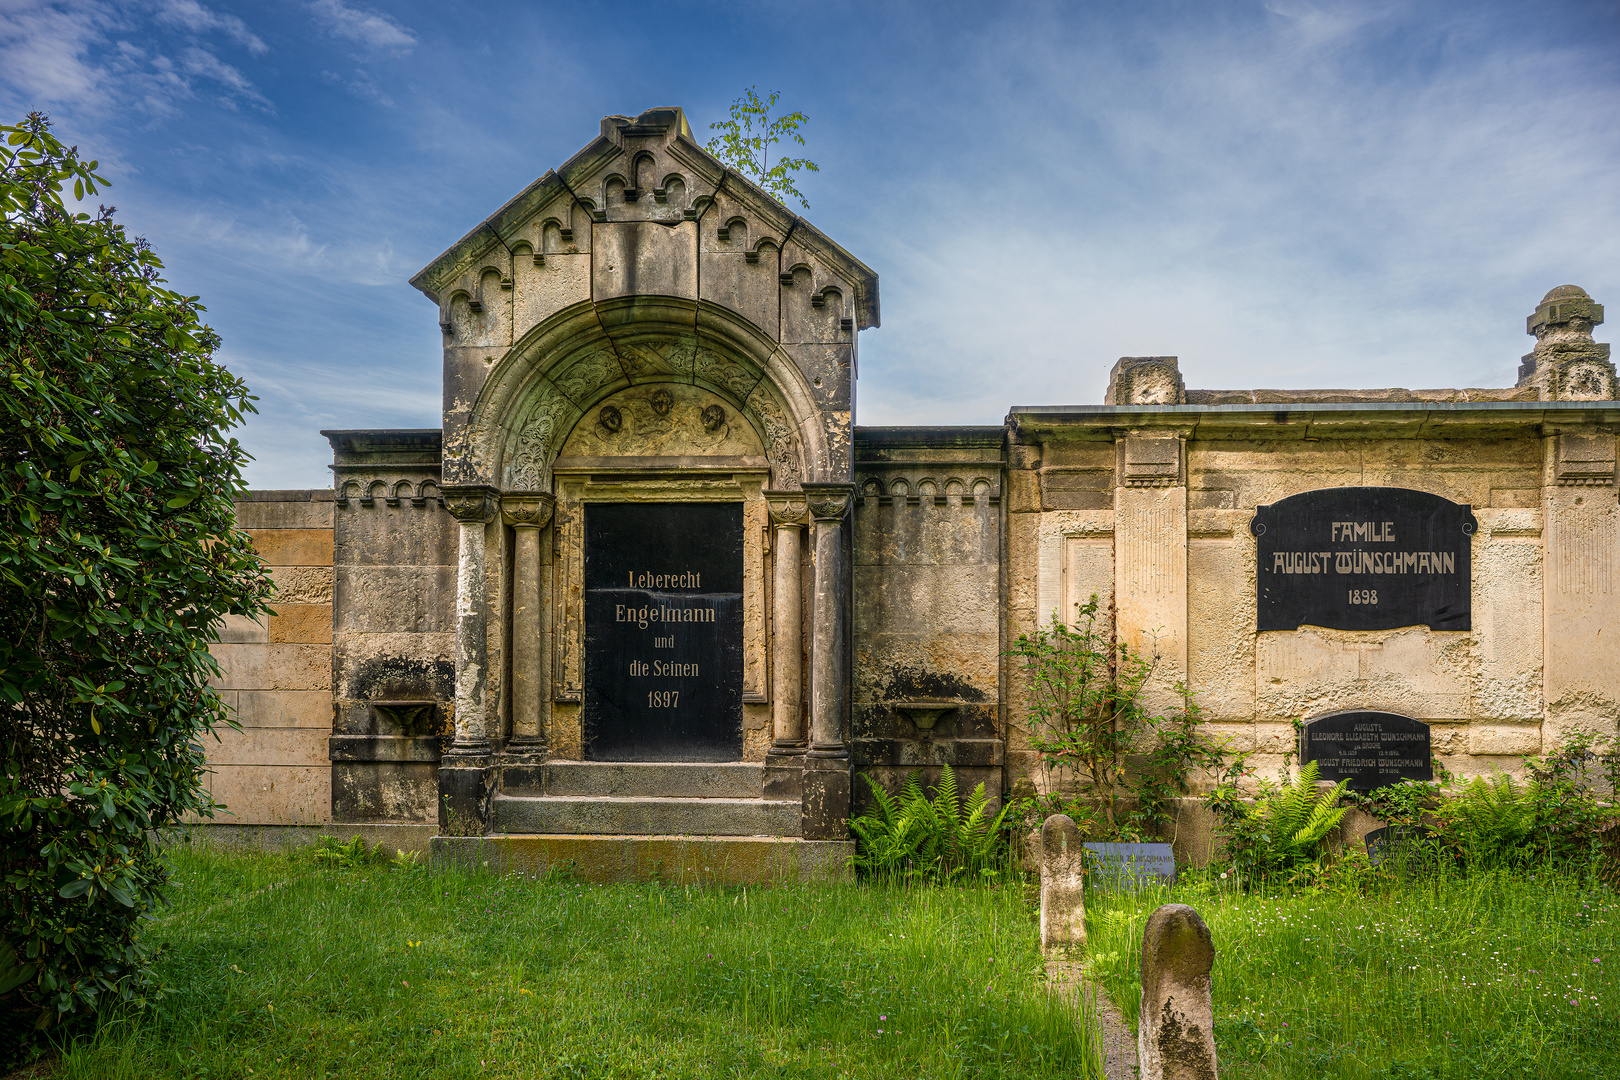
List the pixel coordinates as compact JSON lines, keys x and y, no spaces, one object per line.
{"x":829,"y":502}
{"x":470,"y":505}
{"x":788,"y":507}
{"x":529,"y":509}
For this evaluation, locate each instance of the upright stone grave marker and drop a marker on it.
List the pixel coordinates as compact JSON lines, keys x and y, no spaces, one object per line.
{"x":1370,"y":749}
{"x":1176,"y":1027}
{"x":1063,"y":901}
{"x":663,"y":631}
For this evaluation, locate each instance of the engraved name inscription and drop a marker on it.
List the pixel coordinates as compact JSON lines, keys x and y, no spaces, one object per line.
{"x":1363,"y":559}
{"x":1370,"y":749}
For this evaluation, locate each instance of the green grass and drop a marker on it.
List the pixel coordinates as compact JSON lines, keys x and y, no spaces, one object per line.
{"x":1486,"y":977}
{"x":282,"y":968}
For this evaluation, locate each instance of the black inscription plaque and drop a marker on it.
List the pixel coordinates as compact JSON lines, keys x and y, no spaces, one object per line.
{"x":1370,"y":749}
{"x":663,"y":631}
{"x":1363,"y":558}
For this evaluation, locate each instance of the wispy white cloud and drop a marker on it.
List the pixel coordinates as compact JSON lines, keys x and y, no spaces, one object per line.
{"x":44,"y":49}
{"x":199,"y":61}
{"x":192,"y":16}
{"x":368,"y":28}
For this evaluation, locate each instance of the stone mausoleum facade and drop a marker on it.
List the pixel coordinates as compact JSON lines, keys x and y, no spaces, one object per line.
{"x":649,"y":600}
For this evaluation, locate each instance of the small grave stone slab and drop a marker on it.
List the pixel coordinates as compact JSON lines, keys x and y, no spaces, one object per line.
{"x":1363,"y":558}
{"x":1370,"y":749}
{"x":1130,"y":866}
{"x":1381,"y":843}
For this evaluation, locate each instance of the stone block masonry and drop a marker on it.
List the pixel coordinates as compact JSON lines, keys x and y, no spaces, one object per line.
{"x":643,"y":329}
{"x":277,"y":674}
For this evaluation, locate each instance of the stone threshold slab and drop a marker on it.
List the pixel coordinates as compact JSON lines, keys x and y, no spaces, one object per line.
{"x":717,"y":860}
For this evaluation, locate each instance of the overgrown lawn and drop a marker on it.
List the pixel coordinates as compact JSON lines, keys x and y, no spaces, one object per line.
{"x":280,"y":967}
{"x":1486,"y":977}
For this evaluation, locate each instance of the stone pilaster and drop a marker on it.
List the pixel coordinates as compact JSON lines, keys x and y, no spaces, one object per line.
{"x":826,"y":766}
{"x":1150,"y":557}
{"x":1581,"y":533}
{"x":529,"y":515}
{"x":465,"y":770}
{"x":785,"y":761}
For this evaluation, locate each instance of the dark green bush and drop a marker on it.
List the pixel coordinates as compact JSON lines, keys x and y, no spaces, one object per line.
{"x":118,"y":557}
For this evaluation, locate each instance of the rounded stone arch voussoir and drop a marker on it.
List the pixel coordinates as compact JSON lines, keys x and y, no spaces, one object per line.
{"x":542,"y":387}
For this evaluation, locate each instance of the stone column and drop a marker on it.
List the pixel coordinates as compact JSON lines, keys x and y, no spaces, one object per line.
{"x":1175,"y":1035}
{"x":529,"y":514}
{"x":825,"y":814}
{"x":784,"y":763}
{"x":464,"y":772}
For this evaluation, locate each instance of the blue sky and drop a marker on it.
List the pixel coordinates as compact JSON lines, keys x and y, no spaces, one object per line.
{"x":1284,"y":194}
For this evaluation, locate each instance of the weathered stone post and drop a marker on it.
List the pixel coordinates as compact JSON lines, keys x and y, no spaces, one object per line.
{"x":464,"y":771}
{"x":785,"y":761}
{"x":1176,"y":1030}
{"x":825,"y":814}
{"x":529,"y":514}
{"x":1063,"y":900}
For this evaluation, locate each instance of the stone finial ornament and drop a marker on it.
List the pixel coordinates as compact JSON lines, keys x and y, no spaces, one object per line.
{"x":1176,"y":1028}
{"x":1146,"y":380}
{"x":1063,"y":900}
{"x":1566,"y":364}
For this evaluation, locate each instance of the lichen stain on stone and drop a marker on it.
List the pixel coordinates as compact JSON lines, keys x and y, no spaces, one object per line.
{"x":913,"y":682}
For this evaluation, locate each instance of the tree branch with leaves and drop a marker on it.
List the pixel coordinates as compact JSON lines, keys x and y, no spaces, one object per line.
{"x":746,"y":139}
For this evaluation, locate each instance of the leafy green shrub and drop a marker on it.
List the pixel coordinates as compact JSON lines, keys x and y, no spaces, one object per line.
{"x":1088,"y":719}
{"x":940,"y":838}
{"x":118,"y":558}
{"x":1282,"y":828}
{"x":1555,"y":817}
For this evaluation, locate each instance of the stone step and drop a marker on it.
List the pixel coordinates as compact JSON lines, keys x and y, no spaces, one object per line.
{"x":720,"y":860}
{"x":729,"y":780}
{"x":641,"y":815}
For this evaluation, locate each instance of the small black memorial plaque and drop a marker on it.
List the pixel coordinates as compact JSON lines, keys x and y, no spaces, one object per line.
{"x":663,"y":631}
{"x":1370,"y":749}
{"x":1363,"y":558}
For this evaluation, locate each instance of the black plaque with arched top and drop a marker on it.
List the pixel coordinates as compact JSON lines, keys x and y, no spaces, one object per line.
{"x":1370,"y":749}
{"x":1363,"y":558}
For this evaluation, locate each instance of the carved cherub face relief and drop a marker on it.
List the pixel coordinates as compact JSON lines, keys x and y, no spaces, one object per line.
{"x":713,"y":417}
{"x":662,"y":402}
{"x":610,"y":418}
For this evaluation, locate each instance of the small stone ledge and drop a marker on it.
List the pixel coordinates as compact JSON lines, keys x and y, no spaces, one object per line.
{"x":719,"y":860}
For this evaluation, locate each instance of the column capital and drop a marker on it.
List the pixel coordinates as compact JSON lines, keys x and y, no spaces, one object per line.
{"x":527,"y":509}
{"x":470,"y":505}
{"x":829,"y":502}
{"x":787,"y":507}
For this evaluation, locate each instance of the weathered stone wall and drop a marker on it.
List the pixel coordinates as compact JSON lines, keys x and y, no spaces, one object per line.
{"x":1148,"y":507}
{"x":927,"y":671}
{"x":394,"y":588}
{"x":277,"y":673}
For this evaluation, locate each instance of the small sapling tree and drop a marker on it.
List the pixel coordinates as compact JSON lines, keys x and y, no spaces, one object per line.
{"x":745,"y":142}
{"x":1088,"y":718}
{"x":118,"y":558}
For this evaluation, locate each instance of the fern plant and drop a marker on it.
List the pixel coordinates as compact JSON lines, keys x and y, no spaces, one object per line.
{"x":940,"y":838}
{"x":1283,"y":827}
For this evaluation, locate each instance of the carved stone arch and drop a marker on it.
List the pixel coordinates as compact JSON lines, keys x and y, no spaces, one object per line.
{"x":539,"y":389}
